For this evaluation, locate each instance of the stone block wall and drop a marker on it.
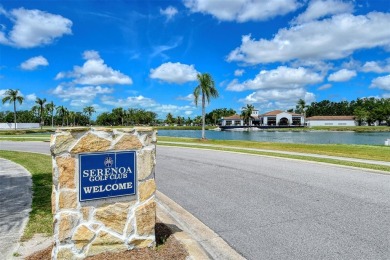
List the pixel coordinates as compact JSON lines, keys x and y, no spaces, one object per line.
{"x":88,"y":228}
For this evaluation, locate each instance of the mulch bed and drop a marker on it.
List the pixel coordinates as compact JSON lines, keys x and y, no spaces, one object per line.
{"x":167,"y":248}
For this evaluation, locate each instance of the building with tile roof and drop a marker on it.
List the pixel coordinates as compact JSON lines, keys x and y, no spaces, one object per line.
{"x":331,"y":121}
{"x":272,"y":118}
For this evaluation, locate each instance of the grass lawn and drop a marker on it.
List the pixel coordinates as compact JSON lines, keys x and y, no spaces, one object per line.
{"x":368,"y":152}
{"x":39,"y":165}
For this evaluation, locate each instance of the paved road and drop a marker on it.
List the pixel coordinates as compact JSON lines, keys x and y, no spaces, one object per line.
{"x":270,"y":208}
{"x":274,"y":208}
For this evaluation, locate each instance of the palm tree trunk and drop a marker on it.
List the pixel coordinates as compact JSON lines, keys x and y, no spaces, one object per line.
{"x":203,"y":115}
{"x":15,"y":114}
{"x":52,"y":120}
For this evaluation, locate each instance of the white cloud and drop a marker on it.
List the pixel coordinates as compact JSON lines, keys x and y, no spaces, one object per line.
{"x":239,"y":73}
{"x":189,"y":97}
{"x":328,"y":39}
{"x":95,"y":72}
{"x":325,"y":86}
{"x":169,"y":12}
{"x":31,"y":97}
{"x":174,"y":73}
{"x":381,"y":83}
{"x":281,"y":99}
{"x":342,"y":75}
{"x":160,"y":50}
{"x":242,"y":10}
{"x":34,"y":62}
{"x":147,"y":103}
{"x":377,"y":66}
{"x":323,"y":8}
{"x":34,"y":28}
{"x":134,"y":101}
{"x":280,"y":78}
{"x":188,"y":113}
{"x":79,"y":96}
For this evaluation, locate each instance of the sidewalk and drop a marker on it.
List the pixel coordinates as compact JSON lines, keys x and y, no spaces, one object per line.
{"x":15,"y":205}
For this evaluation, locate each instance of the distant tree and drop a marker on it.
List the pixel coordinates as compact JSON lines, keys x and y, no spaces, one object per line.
{"x":104,"y":119}
{"x":169,"y":119}
{"x":219,"y":113}
{"x":12,"y":96}
{"x":188,"y":121}
{"x":207,"y":89}
{"x":119,"y":114}
{"x":35,"y":113}
{"x":41,"y":104}
{"x":61,"y":112}
{"x":246,"y":114}
{"x":50,"y":109}
{"x":360,"y":115}
{"x":89,"y":110}
{"x":301,"y":109}
{"x":72,"y":117}
{"x":198,"y":120}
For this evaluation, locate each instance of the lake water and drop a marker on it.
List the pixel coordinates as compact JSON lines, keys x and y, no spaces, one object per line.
{"x":314,"y":137}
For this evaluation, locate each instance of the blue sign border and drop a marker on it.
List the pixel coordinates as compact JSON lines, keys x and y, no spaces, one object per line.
{"x":115,"y":153}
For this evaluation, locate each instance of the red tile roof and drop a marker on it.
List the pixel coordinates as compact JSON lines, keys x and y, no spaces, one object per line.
{"x":331,"y":118}
{"x":233,"y":117}
{"x":276,"y":112}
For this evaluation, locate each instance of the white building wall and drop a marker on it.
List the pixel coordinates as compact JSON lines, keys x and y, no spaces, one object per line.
{"x":281,"y":115}
{"x":331,"y":123}
{"x":19,"y":125}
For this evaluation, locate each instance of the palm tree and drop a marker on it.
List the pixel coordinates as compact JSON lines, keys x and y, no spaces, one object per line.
{"x":89,"y":110}
{"x":41,"y":110}
{"x":12,"y":96}
{"x":207,"y":88}
{"x":301,"y":108}
{"x":62,"y":111}
{"x":246,"y":113}
{"x":169,"y":119}
{"x":119,"y":113}
{"x":72,"y":116}
{"x":50,"y":108}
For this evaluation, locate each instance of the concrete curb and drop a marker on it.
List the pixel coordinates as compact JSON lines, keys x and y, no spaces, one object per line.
{"x":196,"y":235}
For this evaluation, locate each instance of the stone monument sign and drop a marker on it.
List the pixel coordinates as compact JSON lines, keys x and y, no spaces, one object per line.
{"x":103,"y":196}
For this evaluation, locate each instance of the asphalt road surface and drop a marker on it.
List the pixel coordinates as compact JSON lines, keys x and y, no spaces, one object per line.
{"x":271,"y":208}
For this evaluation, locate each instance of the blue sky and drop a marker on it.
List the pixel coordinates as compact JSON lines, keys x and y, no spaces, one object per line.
{"x":146,"y":54}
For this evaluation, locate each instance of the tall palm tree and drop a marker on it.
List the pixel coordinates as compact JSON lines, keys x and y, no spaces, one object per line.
{"x":62,"y":111}
{"x":207,"y":88}
{"x":89,"y":110}
{"x":246,"y":113}
{"x":12,"y":96}
{"x":41,"y":103}
{"x":301,"y":107}
{"x":50,"y":108}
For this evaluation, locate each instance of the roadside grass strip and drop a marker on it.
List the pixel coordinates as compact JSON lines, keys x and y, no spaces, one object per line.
{"x":366,"y":152}
{"x":24,"y":139}
{"x":384,"y":169}
{"x":39,"y":165}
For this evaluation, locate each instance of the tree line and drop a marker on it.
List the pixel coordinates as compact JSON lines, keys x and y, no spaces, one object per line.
{"x":43,"y":112}
{"x":365,"y":110}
